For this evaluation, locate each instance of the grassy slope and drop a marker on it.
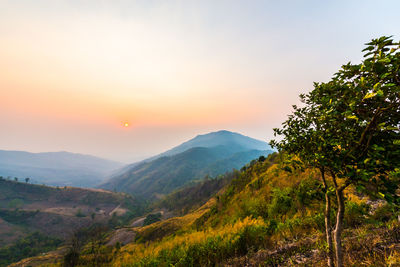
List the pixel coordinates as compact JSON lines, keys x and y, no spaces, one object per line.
{"x":194,"y":195}
{"x":265,"y":217}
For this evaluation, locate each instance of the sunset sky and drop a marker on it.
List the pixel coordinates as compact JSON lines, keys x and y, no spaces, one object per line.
{"x":72,"y":73}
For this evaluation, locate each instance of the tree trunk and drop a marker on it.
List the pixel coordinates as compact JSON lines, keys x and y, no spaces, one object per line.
{"x":328,"y":228}
{"x":339,"y":227}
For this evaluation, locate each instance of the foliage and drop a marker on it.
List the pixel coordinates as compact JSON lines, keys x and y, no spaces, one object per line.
{"x":80,"y":214}
{"x":356,"y":214}
{"x":191,"y":197}
{"x":29,"y":246}
{"x":152,"y":218}
{"x":349,"y":127}
{"x":87,"y":239}
{"x":18,"y":217}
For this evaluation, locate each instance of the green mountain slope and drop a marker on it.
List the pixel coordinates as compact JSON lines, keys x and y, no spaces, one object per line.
{"x":210,"y":154}
{"x":165,"y":174}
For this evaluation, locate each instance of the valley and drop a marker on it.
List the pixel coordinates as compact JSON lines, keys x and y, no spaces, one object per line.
{"x":57,"y":212}
{"x":160,"y":188}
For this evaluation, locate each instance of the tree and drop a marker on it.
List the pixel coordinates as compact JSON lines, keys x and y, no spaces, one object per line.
{"x":152,"y":218}
{"x":27,"y":180}
{"x":349,"y":128}
{"x":303,"y":135}
{"x":16,"y":179}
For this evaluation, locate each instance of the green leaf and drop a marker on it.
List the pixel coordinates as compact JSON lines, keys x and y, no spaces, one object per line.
{"x":376,"y":86}
{"x":370,"y":95}
{"x":389,"y":85}
{"x":384,"y":60}
{"x":396,"y":142}
{"x":368,"y":48}
{"x":352,"y":117}
{"x":391,"y":128}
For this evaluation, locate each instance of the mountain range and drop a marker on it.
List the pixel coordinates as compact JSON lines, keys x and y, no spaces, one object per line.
{"x":209,"y":154}
{"x":56,"y":168}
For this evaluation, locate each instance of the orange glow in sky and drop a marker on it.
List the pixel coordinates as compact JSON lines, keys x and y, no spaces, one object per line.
{"x":71,"y":72}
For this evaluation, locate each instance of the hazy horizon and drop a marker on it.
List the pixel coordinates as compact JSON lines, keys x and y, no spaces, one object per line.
{"x":73,"y":73}
{"x":126,"y":162}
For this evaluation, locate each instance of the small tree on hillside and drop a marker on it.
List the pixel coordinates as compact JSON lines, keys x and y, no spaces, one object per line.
{"x":349,"y":127}
{"x":304,"y":147}
{"x":27,"y":180}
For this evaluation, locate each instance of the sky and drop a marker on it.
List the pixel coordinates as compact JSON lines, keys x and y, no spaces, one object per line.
{"x":72,"y":73}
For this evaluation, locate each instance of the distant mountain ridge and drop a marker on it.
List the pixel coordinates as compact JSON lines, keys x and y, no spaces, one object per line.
{"x":237,"y":141}
{"x":234,"y":140}
{"x":208,"y":154}
{"x":56,"y":168}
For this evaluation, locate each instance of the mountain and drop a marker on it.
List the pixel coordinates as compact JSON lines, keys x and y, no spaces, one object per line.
{"x":209,"y":154}
{"x":235,"y":141}
{"x":56,"y":168}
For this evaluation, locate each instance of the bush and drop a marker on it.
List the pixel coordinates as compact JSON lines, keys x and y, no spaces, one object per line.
{"x":80,"y":214}
{"x":281,"y":203}
{"x":384,"y":213}
{"x":152,"y":218}
{"x":355,"y":213}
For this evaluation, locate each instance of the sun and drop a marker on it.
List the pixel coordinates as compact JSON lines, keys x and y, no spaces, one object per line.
{"x":126,"y":124}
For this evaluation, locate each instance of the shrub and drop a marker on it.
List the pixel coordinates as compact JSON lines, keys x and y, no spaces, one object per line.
{"x":152,"y":218}
{"x":80,"y":214}
{"x":384,"y":213}
{"x":281,"y":202}
{"x":355,"y":213}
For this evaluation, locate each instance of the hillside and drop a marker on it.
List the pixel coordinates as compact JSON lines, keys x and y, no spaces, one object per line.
{"x":210,"y":154}
{"x":265,"y":217}
{"x":164,"y":175}
{"x":53,"y":214}
{"x":56,"y":168}
{"x":195,"y":195}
